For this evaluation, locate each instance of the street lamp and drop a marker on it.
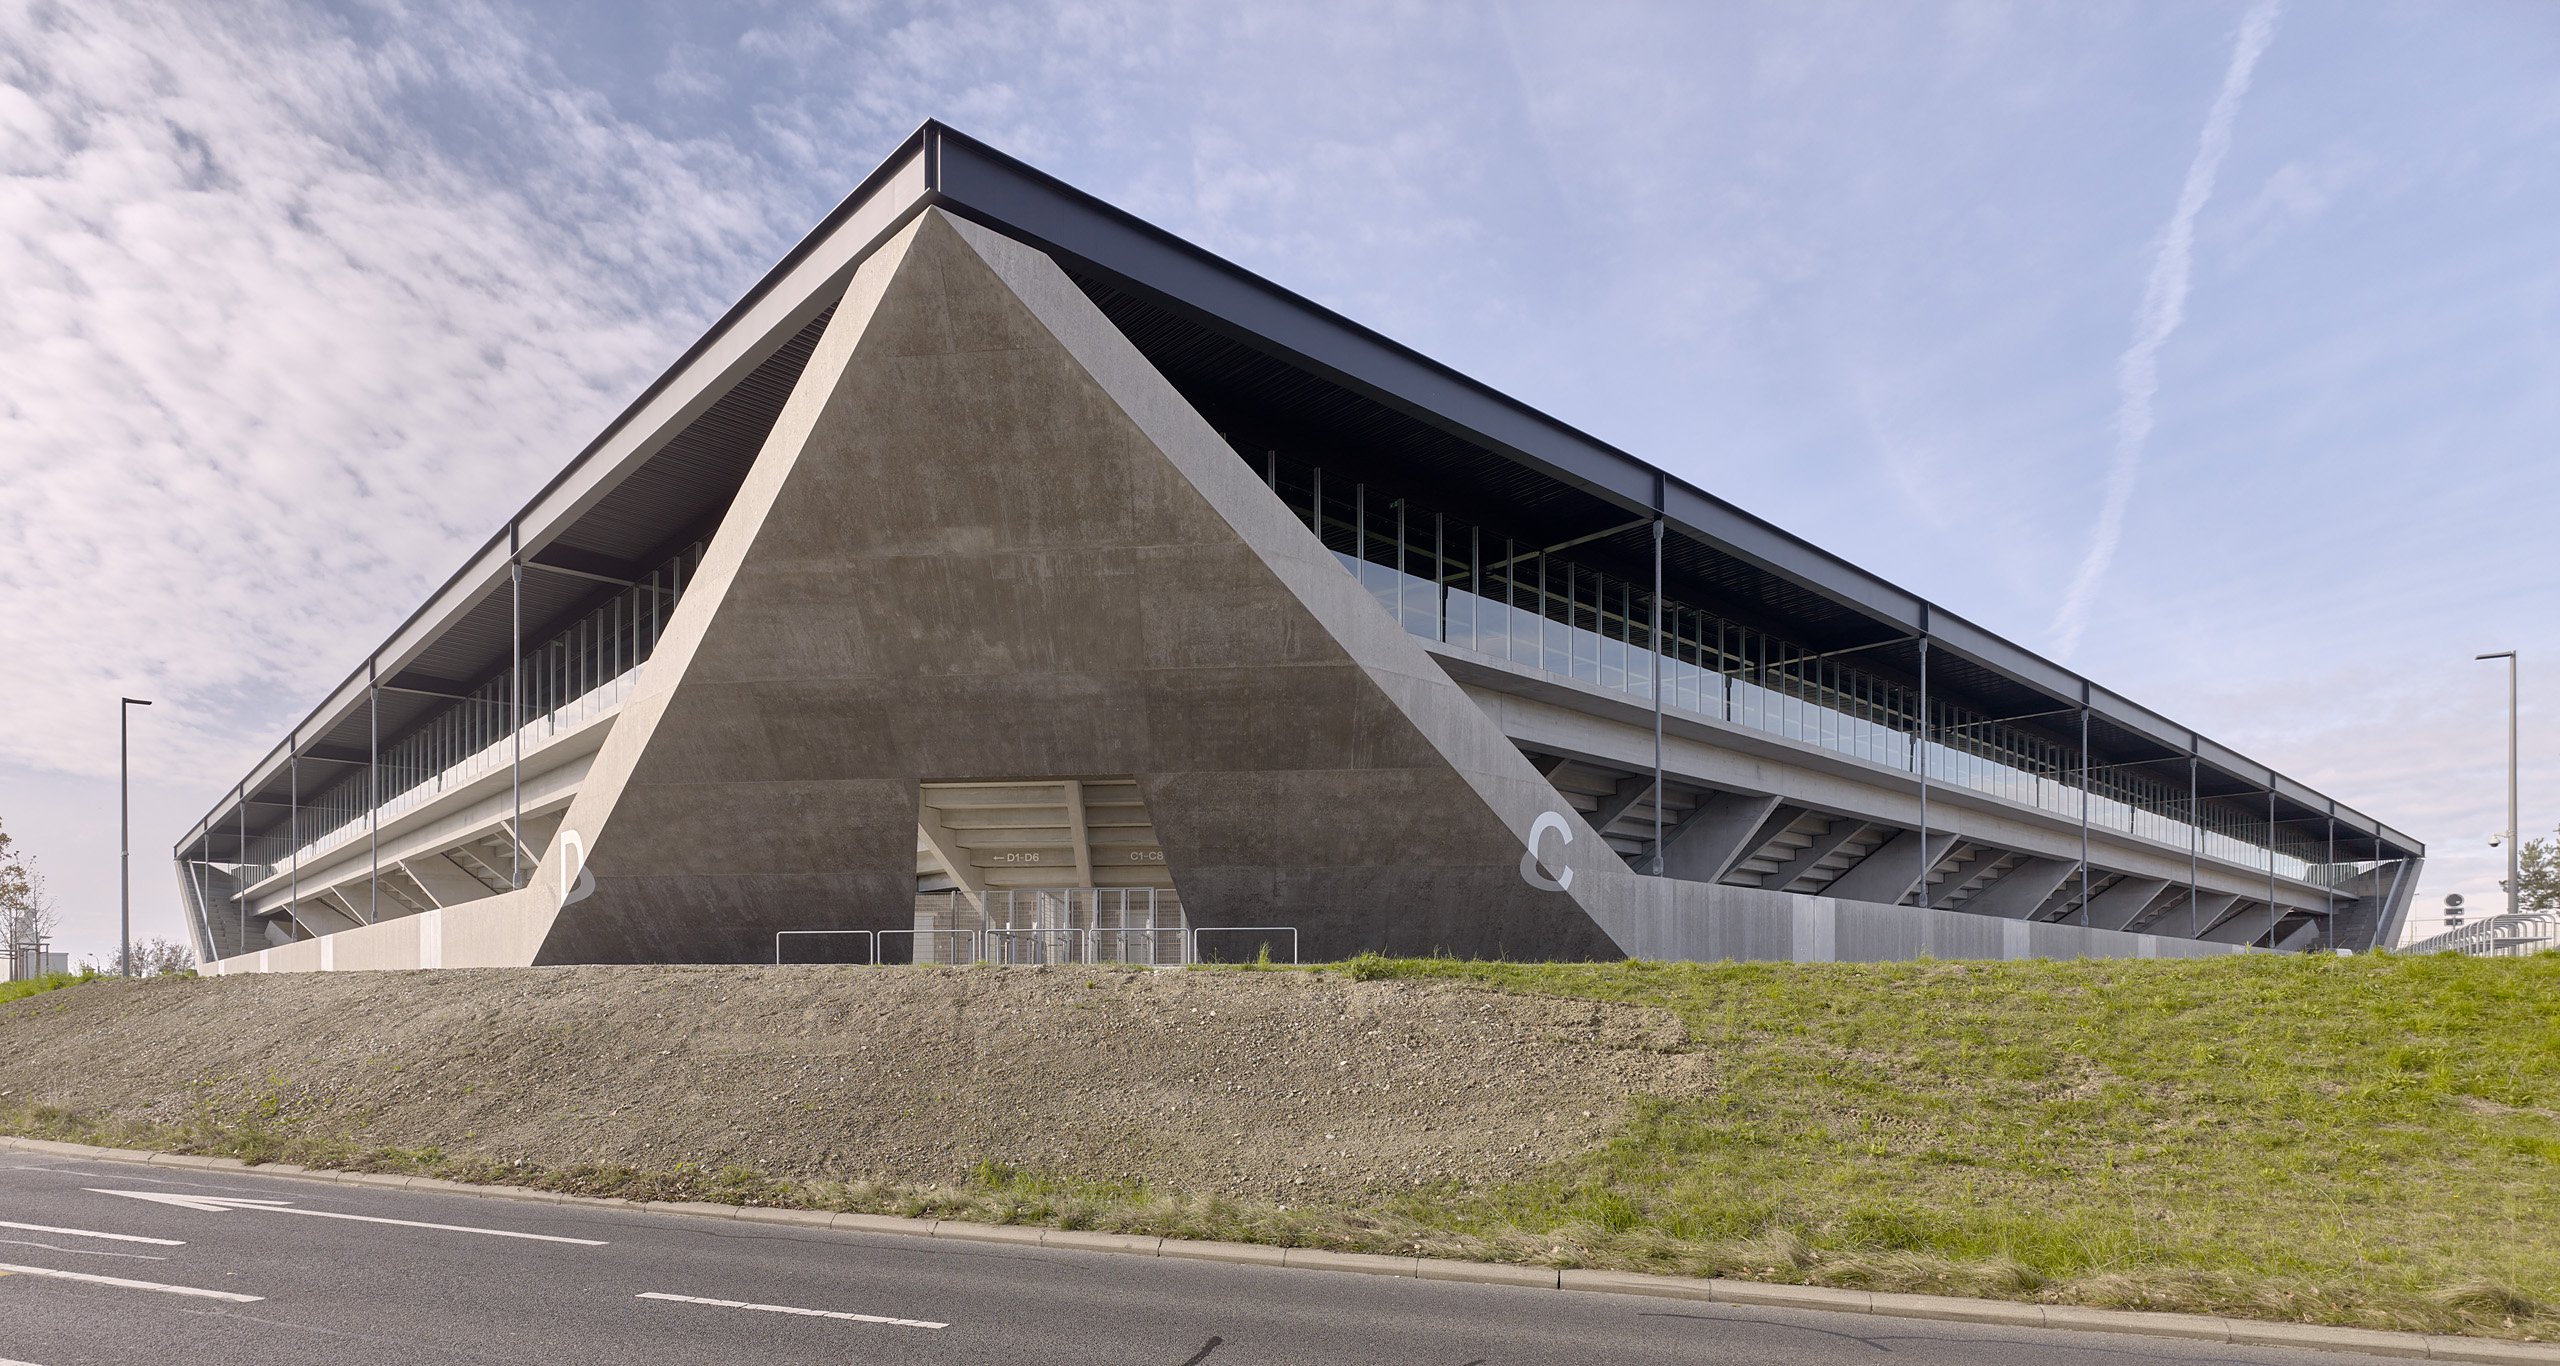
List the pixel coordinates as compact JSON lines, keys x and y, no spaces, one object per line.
{"x":2512,"y":889}
{"x":124,"y":820}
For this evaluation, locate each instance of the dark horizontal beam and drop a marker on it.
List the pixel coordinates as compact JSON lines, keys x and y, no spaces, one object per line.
{"x":571,"y":562}
{"x":424,"y":685}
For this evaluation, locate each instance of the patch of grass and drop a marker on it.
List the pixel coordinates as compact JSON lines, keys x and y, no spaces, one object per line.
{"x":2370,"y":1140}
{"x":51,"y":981}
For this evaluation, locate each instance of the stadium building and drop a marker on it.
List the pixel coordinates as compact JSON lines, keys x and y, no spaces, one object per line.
{"x":1004,"y":578}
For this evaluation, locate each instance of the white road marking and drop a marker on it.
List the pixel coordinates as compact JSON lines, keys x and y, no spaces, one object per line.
{"x":82,"y":1252}
{"x":216,"y":1204}
{"x":120,"y":1282}
{"x":90,"y":1233}
{"x":790,"y":1309}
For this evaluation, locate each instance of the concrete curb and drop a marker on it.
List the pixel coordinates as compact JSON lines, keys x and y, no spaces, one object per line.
{"x":2006,"y":1313}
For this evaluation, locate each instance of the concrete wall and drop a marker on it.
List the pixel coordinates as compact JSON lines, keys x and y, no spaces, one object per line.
{"x":986,"y":541}
{"x":1697,"y":921}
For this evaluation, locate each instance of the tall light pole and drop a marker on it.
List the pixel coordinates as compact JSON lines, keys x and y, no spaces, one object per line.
{"x":124,"y":820}
{"x":2513,"y":891}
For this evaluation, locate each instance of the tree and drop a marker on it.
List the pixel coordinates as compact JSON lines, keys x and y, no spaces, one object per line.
{"x":2538,"y":874}
{"x":27,"y":912}
{"x":151,"y":958}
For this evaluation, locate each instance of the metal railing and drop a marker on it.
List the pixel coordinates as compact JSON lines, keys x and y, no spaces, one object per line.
{"x":1471,"y":587}
{"x":1051,"y":945}
{"x":946,"y":946}
{"x":2500,"y":936}
{"x":870,"y":942}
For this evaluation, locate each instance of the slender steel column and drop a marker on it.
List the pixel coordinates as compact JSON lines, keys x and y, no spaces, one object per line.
{"x":1475,"y":589}
{"x":2195,"y":836}
{"x":1724,"y":680}
{"x":240,"y":874}
{"x":2329,"y":871}
{"x":1360,"y":534}
{"x":2271,"y":858}
{"x":124,"y":836}
{"x":373,"y":785}
{"x":1925,"y":860}
{"x":1541,"y":658}
{"x":202,"y":886}
{"x":2084,"y":807}
{"x":1440,"y":576}
{"x":124,"y":819}
{"x":2514,"y":837}
{"x":293,"y":823}
{"x":515,"y":690}
{"x":1653,"y":674}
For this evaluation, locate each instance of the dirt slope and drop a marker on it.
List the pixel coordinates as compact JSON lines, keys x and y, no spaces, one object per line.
{"x":1253,"y":1084}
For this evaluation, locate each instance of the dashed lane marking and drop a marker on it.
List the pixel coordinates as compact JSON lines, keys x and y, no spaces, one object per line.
{"x":217,"y":1204}
{"x":121,"y":1283}
{"x":791,"y":1309}
{"x":91,"y":1233}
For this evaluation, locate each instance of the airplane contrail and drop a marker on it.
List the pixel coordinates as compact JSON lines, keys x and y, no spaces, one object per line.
{"x":2164,"y":306}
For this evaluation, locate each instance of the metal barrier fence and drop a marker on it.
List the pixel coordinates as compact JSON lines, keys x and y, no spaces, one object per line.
{"x":1030,"y":926}
{"x":1048,"y":945}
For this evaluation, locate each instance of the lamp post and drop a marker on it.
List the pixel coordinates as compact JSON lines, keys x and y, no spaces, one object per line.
{"x":2513,"y":891}
{"x":124,"y":820}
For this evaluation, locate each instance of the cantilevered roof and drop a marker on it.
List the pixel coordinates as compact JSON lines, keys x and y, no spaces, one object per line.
{"x":1238,"y":345}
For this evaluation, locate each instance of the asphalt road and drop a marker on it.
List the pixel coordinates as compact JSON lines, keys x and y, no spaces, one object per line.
{"x":325,"y":1273}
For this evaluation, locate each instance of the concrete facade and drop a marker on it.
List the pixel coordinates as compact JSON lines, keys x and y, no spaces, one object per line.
{"x":987,"y":542}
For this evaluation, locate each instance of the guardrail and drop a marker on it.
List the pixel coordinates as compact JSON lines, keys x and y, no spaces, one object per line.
{"x":967,"y":943}
{"x":870,"y":942}
{"x":1289,"y":930}
{"x":1044,"y":945}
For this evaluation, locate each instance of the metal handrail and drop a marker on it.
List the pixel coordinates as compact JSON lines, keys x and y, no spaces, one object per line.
{"x":1289,"y":930}
{"x":871,"y":949}
{"x":972,"y":949}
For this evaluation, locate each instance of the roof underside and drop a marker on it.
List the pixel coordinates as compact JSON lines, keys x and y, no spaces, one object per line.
{"x":1294,"y":384}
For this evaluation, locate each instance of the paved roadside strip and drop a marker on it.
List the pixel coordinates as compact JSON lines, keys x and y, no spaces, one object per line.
{"x":2007,"y":1313}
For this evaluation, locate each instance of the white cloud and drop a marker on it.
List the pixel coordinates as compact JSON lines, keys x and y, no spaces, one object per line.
{"x":276,"y":356}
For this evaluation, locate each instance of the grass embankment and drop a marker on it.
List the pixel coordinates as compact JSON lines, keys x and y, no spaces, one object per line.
{"x":25,"y":987}
{"x":2371,"y":1141}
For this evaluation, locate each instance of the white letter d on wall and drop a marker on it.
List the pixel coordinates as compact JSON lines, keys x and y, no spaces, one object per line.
{"x":576,"y":883}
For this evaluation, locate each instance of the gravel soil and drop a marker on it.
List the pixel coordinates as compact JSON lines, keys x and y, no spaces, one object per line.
{"x":1257,"y":1084}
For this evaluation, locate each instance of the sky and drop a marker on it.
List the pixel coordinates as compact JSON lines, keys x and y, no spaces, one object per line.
{"x":2210,"y":348}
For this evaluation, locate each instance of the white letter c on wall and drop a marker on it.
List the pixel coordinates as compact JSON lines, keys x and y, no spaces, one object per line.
{"x":1532,"y":869}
